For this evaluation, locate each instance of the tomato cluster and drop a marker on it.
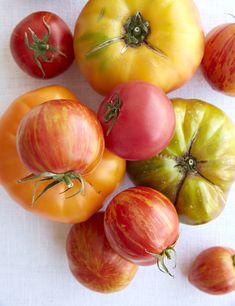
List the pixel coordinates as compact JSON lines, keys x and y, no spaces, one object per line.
{"x":61,"y":160}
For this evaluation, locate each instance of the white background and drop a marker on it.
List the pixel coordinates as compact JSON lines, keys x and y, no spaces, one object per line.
{"x":33,"y":265}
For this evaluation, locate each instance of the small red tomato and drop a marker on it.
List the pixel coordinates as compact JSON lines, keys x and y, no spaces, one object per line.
{"x":142,"y":225}
{"x":93,"y":262}
{"x":219,"y":59}
{"x":60,"y":140}
{"x":213,"y":271}
{"x":42,"y":45}
{"x":138,"y":120}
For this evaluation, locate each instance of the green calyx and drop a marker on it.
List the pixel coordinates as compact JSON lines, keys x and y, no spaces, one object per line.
{"x":55,"y":179}
{"x":166,"y":254}
{"x":233,"y":259}
{"x":135,"y":33}
{"x":136,"y":30}
{"x":113,"y":109}
{"x":40,"y":47}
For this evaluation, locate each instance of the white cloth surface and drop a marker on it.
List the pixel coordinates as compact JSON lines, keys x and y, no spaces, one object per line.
{"x":33,"y":264}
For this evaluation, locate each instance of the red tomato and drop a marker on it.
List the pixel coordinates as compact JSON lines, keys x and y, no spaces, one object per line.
{"x":213,"y":271}
{"x":219,"y":59}
{"x":142,"y":225}
{"x":93,"y":262}
{"x":42,"y":45}
{"x":61,"y":140}
{"x":138,"y":120}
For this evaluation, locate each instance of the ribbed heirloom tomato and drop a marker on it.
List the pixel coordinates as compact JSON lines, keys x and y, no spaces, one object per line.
{"x":158,"y":41}
{"x":42,"y":45}
{"x":197,"y":168}
{"x":142,"y":225}
{"x":53,"y":205}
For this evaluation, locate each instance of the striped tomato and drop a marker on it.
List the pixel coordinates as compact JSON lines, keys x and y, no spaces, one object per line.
{"x":219,"y":59}
{"x":60,"y":140}
{"x":213,"y":270}
{"x":93,"y":262}
{"x":142,"y":225}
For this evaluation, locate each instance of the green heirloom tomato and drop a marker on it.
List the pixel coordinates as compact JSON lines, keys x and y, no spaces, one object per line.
{"x":198,"y":167}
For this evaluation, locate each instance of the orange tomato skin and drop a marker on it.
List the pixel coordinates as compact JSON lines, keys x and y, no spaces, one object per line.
{"x":93,"y":262}
{"x":218,"y":63}
{"x":98,"y":184}
{"x":60,"y":136}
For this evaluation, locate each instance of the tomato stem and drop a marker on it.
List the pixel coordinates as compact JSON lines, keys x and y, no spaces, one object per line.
{"x":40,"y":47}
{"x":136,"y":31}
{"x":113,"y":109}
{"x":56,"y":178}
{"x":167,"y":253}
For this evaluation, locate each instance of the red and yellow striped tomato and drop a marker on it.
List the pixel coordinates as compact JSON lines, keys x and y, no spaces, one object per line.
{"x":98,"y":184}
{"x":60,"y":136}
{"x":213,"y":271}
{"x":93,"y":262}
{"x":141,"y":225}
{"x":219,"y":59}
{"x":160,"y":42}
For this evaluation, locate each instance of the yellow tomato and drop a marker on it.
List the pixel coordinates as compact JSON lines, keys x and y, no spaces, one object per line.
{"x":98,"y":184}
{"x":159,"y":41}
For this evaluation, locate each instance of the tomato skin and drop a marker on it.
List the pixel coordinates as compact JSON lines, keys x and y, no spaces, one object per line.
{"x":172,"y":26}
{"x":60,"y":38}
{"x":205,"y":137}
{"x":213,"y":271}
{"x":139,"y":221}
{"x":98,"y":184}
{"x":145,"y":123}
{"x":59,"y":136}
{"x":93,"y":262}
{"x":218,"y":63}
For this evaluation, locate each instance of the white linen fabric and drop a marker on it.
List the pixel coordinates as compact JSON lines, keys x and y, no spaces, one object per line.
{"x":33,"y":264}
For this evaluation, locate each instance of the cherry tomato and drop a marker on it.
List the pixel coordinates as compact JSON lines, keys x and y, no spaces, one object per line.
{"x":53,"y":205}
{"x":219,"y":59}
{"x":93,"y":262}
{"x":213,"y":271}
{"x":42,"y":45}
{"x":138,"y":120}
{"x":142,"y":225}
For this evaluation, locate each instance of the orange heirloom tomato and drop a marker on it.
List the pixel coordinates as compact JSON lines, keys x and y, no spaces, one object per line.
{"x":159,"y":41}
{"x":98,"y":184}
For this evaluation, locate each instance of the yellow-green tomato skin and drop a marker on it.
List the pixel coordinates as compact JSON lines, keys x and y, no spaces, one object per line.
{"x":197,"y":169}
{"x":174,"y":32}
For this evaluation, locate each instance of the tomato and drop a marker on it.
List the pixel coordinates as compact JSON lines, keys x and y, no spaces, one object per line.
{"x":197,"y":169}
{"x":219,"y":59}
{"x":93,"y":262}
{"x":142,"y":226}
{"x":213,"y":271}
{"x":118,"y":41}
{"x":60,"y":141}
{"x":42,"y":45}
{"x":98,"y":184}
{"x":138,"y":120}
